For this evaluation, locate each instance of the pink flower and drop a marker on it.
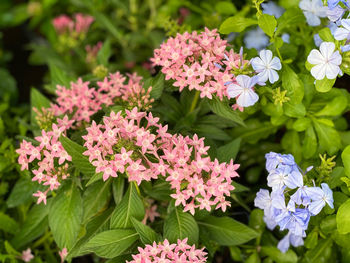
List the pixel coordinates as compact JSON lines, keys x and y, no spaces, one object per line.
{"x":41,"y":197}
{"x":63,"y":254}
{"x":63,"y":23}
{"x":27,"y":255}
{"x":82,"y":23}
{"x":166,"y":252}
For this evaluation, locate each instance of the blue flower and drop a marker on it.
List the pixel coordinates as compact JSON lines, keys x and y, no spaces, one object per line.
{"x":335,"y":14}
{"x":289,"y":239}
{"x":313,"y":11}
{"x":319,"y":198}
{"x":271,"y":8}
{"x":333,"y":3}
{"x":256,"y":38}
{"x":274,"y":159}
{"x":266,"y":65}
{"x":286,"y":38}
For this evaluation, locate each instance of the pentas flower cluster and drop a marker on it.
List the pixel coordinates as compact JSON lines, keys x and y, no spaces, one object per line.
{"x":190,"y":60}
{"x":291,"y":203}
{"x":140,"y":147}
{"x":50,"y":160}
{"x":75,"y":105}
{"x":170,"y":253}
{"x":65,"y":25}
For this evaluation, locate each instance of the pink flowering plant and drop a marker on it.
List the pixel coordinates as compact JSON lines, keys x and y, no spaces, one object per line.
{"x":209,"y":132}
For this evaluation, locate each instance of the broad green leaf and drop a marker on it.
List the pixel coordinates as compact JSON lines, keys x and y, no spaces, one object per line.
{"x":345,"y":156}
{"x":329,"y":224}
{"x":157,"y":84}
{"x":38,"y":101}
{"x":58,"y":77}
{"x":159,"y":190}
{"x":291,"y":143}
{"x":268,"y":24}
{"x":179,"y":225}
{"x":343,"y":218}
{"x":222,"y":109}
{"x":33,"y":227}
{"x":294,"y":110}
{"x":21,"y":193}
{"x":292,"y":83}
{"x":111,"y":243}
{"x":147,"y":234}
{"x":104,"y":53}
{"x":95,"y":178}
{"x":80,"y":161}
{"x":334,"y":108}
{"x":106,"y":23}
{"x":211,"y":132}
{"x":328,"y":137}
{"x":95,"y":198}
{"x":130,"y":206}
{"x":8,"y":224}
{"x":229,"y":151}
{"x":321,"y":253}
{"x":301,"y":124}
{"x":310,"y":143}
{"x":236,"y":24}
{"x":227,"y":231}
{"x":292,"y":17}
{"x":118,"y":189}
{"x":325,"y":84}
{"x":65,"y":216}
{"x":277,"y":256}
{"x":95,"y":225}
{"x":341,"y":240}
{"x":326,"y":35}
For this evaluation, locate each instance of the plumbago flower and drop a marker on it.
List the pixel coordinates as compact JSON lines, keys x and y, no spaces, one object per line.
{"x":266,"y":66}
{"x":326,"y":61}
{"x":166,"y":252}
{"x":334,"y":3}
{"x":50,"y":162}
{"x":343,"y":32}
{"x":290,"y":211}
{"x":313,"y":11}
{"x":243,"y":91}
{"x":139,"y":147}
{"x":75,"y":105}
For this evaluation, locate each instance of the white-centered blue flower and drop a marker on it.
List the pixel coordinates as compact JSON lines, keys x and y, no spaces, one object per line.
{"x":335,"y":14}
{"x":243,"y":90}
{"x":313,"y":10}
{"x":319,"y":198}
{"x":256,"y":38}
{"x":266,"y":66}
{"x":343,"y":32}
{"x":326,"y":61}
{"x":271,"y":8}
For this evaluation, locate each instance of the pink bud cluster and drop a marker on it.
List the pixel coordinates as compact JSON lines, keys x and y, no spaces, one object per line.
{"x":92,"y":51}
{"x":143,"y":149}
{"x":80,"y":102}
{"x":170,"y":253}
{"x":64,"y":24}
{"x":49,"y":158}
{"x":191,"y":59}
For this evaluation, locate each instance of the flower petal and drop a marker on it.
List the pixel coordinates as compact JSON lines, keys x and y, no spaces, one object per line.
{"x":247,"y":98}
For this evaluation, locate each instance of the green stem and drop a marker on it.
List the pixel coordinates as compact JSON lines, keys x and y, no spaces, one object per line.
{"x":42,"y":239}
{"x":194,"y":102}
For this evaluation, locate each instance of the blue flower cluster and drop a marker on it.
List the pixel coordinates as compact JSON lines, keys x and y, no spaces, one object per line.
{"x":291,"y":203}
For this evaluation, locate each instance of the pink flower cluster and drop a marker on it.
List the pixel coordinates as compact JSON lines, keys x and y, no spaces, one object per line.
{"x":80,"y":102}
{"x":144,"y":152}
{"x":170,"y":253}
{"x":193,"y":61}
{"x":64,"y":24}
{"x":51,"y":160}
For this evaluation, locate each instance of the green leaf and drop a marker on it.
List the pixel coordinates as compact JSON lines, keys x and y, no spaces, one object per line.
{"x":33,"y":227}
{"x":118,"y":189}
{"x":111,"y":243}
{"x":90,"y":229}
{"x":222,"y":109}
{"x":130,"y":206}
{"x":325,"y":84}
{"x":345,"y":156}
{"x":321,"y":253}
{"x":268,"y":24}
{"x":292,"y":83}
{"x":229,"y":151}
{"x":65,"y":217}
{"x":291,"y":143}
{"x":227,"y":231}
{"x":343,"y":218}
{"x":21,"y":193}
{"x":326,"y":35}
{"x":294,"y":110}
{"x":80,"y":161}
{"x":147,"y":234}
{"x":95,"y":198}
{"x":104,"y":53}
{"x":334,"y":108}
{"x":157,"y":84}
{"x":310,"y":143}
{"x":106,"y":23}
{"x":328,"y":137}
{"x":301,"y":124}
{"x":277,"y":256}
{"x":292,"y":17}
{"x":58,"y":77}
{"x":7,"y":224}
{"x":236,"y":24}
{"x":38,"y":101}
{"x":179,"y":225}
